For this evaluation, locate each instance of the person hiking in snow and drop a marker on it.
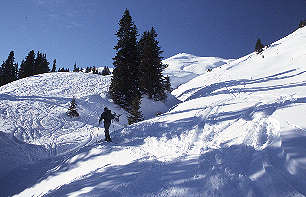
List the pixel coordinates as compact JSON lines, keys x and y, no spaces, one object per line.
{"x":107,"y":116}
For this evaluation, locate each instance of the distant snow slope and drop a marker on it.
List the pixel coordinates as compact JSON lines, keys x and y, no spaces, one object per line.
{"x":184,"y":67}
{"x":240,"y":130}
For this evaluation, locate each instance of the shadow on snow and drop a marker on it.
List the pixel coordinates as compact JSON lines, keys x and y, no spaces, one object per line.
{"x":215,"y":89}
{"x":238,"y":170}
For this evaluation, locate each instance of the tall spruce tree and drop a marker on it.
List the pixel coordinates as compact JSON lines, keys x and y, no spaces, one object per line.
{"x":44,"y":68}
{"x":135,"y":114}
{"x":125,"y":84}
{"x":21,"y":72}
{"x":41,"y":64}
{"x":153,"y":83}
{"x":27,"y":66}
{"x":8,"y":70}
{"x":38,"y":63}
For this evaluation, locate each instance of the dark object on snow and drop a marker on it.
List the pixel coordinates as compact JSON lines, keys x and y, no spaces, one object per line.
{"x":72,"y":112}
{"x":107,"y":116}
{"x":259,"y":46}
{"x":302,"y":24}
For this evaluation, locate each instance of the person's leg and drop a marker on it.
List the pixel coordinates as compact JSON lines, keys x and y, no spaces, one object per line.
{"x":106,"y":131}
{"x":107,"y":136}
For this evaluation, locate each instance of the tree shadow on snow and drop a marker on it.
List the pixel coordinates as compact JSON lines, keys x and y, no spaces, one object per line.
{"x":217,"y":88}
{"x":238,"y":170}
{"x":205,"y":176}
{"x":247,"y":113}
{"x":27,"y":175}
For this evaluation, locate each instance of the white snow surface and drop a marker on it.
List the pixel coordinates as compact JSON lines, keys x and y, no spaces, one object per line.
{"x":183,"y":67}
{"x":239,"y":130}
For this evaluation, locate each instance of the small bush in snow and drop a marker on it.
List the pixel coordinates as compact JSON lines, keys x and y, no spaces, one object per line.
{"x":72,"y":112}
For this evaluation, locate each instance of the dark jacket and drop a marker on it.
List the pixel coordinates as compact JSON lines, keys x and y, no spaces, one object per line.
{"x":107,"y":116}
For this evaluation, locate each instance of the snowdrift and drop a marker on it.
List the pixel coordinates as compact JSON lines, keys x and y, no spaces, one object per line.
{"x":239,"y":130}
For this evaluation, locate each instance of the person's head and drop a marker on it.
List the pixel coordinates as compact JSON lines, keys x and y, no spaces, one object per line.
{"x":105,"y":108}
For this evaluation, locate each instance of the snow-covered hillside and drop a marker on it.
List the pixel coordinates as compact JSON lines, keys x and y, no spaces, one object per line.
{"x":33,"y":112}
{"x":184,"y":67}
{"x":239,"y":130}
{"x":33,"y":120}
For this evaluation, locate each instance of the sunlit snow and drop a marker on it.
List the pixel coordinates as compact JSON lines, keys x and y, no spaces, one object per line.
{"x":229,"y":128}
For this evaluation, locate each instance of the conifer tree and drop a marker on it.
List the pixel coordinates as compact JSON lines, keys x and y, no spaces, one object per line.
{"x":105,"y":71}
{"x":167,"y":84}
{"x":16,"y":71}
{"x":75,"y":68}
{"x":88,"y":69}
{"x":63,"y":70}
{"x":125,"y":80}
{"x":8,"y":71}
{"x":41,"y":64}
{"x":94,"y":70}
{"x":37,"y":63}
{"x":2,"y":76}
{"x":259,"y":46}
{"x":135,"y":114}
{"x":44,"y":65}
{"x":54,"y":66}
{"x":153,"y":83}
{"x":21,"y":70}
{"x":27,"y":67}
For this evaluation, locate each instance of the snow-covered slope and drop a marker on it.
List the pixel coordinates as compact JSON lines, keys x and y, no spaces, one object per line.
{"x":240,"y":130}
{"x":33,"y":112}
{"x":184,"y":67}
{"x":33,"y":120}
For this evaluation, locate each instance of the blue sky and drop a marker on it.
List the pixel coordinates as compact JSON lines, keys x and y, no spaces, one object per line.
{"x":82,"y":31}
